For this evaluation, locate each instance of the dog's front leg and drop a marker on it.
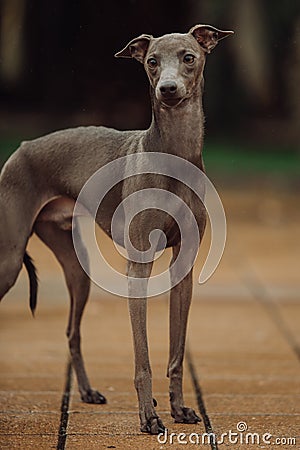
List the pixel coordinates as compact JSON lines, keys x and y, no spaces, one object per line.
{"x":138,"y":274}
{"x":180,"y":300}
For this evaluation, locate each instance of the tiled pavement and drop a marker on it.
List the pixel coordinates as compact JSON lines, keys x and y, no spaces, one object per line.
{"x":244,"y":350}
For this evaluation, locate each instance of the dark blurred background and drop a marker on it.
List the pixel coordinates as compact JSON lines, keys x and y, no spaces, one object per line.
{"x":57,"y":69}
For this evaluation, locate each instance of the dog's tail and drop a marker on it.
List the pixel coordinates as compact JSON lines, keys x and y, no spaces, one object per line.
{"x":33,"y":281}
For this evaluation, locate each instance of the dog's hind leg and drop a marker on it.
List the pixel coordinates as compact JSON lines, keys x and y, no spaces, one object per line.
{"x":60,"y":242}
{"x":10,"y":266}
{"x":12,"y":250}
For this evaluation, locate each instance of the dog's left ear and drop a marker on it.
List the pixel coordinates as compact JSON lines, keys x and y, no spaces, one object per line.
{"x":208,"y":36}
{"x":137,"y":48}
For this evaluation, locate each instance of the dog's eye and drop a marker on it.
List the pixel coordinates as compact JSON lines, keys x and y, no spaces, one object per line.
{"x":189,"y":59}
{"x":152,"y":63}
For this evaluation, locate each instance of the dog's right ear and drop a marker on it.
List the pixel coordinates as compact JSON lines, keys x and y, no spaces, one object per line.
{"x":137,"y":48}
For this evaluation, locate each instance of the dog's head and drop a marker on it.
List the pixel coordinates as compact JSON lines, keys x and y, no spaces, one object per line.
{"x":174,"y":62}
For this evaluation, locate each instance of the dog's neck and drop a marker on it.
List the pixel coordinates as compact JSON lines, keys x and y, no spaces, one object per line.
{"x":178,"y":130}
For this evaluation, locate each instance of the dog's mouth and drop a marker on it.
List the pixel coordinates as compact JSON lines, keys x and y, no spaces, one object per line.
{"x":171,"y":102}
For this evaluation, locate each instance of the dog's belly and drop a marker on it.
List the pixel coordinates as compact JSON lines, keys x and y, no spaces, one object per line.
{"x":61,"y":212}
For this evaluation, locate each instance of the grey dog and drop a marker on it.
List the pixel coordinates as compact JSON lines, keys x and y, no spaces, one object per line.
{"x":41,"y":181}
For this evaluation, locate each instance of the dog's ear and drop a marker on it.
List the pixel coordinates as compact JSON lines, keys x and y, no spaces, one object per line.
{"x":208,"y":36}
{"x":137,"y":48}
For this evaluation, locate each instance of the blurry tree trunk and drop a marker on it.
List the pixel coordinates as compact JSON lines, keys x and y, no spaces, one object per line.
{"x":250,"y":46}
{"x":12,"y":39}
{"x":293,"y":79}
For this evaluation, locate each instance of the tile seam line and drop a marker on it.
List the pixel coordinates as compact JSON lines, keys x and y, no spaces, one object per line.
{"x":260,"y":294}
{"x":65,"y":402}
{"x":199,"y":398}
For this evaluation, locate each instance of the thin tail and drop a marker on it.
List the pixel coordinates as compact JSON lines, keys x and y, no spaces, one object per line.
{"x":33,"y":281}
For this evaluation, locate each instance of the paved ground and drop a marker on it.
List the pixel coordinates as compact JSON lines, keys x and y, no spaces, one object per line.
{"x":243,"y":364}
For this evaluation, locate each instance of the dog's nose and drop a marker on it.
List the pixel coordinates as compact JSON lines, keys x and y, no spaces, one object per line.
{"x":168,"y":88}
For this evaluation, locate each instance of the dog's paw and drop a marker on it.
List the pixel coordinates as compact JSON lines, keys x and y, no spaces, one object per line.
{"x":153,"y":425}
{"x":92,"y":396}
{"x":186,"y":415}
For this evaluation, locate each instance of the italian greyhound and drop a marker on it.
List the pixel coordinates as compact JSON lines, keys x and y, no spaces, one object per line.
{"x":41,"y":181}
